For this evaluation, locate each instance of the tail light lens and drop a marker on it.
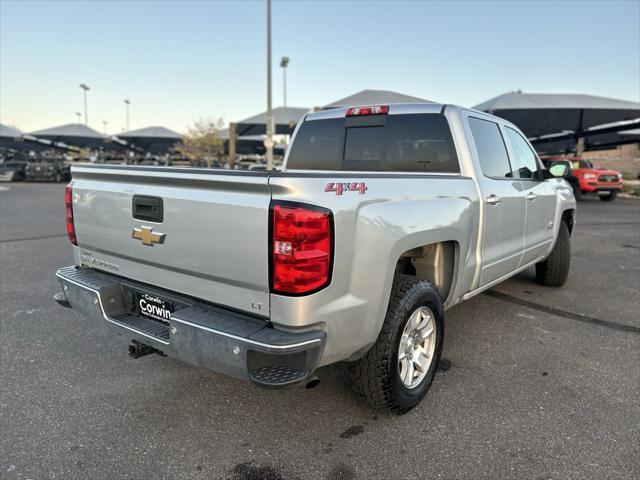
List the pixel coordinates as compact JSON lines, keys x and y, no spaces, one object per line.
{"x":302,"y":248}
{"x":68,"y":203}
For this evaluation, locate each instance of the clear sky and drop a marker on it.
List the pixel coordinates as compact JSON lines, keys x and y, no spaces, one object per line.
{"x":178,"y":61}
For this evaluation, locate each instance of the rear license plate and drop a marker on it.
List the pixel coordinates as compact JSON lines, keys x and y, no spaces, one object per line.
{"x":154,"y":307}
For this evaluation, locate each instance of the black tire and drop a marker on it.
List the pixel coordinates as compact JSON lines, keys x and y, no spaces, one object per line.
{"x":553,"y":271}
{"x":609,"y":198}
{"x":376,"y":376}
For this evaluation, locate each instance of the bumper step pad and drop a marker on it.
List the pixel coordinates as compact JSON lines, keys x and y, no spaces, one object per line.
{"x":276,"y":375}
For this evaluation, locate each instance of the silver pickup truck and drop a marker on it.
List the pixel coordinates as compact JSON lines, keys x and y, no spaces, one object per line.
{"x":381,"y":218}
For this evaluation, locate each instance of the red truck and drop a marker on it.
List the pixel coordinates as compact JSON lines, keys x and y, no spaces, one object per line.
{"x":585,"y":178}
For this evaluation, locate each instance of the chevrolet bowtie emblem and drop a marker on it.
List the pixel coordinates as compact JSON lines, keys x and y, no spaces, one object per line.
{"x":147,"y":236}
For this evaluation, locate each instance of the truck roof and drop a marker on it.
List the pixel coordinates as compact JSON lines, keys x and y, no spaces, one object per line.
{"x":395,"y":109}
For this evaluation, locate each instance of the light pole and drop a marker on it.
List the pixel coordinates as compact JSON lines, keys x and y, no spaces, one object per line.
{"x":284,"y":63}
{"x":268,"y":142}
{"x":104,"y":122}
{"x":85,"y":88}
{"x":79,"y":115}
{"x":127,"y":103}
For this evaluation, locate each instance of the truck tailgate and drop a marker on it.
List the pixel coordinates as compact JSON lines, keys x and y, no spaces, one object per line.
{"x":215,"y":227}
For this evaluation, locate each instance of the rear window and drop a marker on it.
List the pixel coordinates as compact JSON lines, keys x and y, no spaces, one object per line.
{"x":384,"y":143}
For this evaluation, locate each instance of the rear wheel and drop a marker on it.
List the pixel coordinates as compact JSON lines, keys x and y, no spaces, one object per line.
{"x":398,"y":370}
{"x":610,"y":197}
{"x":553,"y":271}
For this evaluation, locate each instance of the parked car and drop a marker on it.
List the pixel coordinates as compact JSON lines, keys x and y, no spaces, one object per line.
{"x":47,"y":170}
{"x":12,"y":170}
{"x":589,"y":179}
{"x":381,"y":219}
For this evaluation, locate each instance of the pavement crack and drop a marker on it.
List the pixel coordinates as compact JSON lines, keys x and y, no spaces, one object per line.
{"x":26,"y":239}
{"x":604,"y":224}
{"x":622,"y":327}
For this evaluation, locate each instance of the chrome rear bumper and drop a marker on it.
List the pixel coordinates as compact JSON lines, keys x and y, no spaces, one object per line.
{"x":221,"y":340}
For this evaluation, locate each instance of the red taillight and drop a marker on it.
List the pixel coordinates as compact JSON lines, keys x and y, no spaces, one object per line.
{"x":302,"y":247}
{"x":373,"y":110}
{"x":68,"y":203}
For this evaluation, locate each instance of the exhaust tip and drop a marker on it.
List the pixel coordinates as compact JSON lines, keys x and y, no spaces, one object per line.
{"x":311,"y":382}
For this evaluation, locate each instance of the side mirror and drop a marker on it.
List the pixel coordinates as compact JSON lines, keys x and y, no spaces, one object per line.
{"x":558,"y":170}
{"x":542,"y":175}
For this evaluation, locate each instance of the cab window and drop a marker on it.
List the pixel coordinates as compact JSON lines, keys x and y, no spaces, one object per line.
{"x":492,"y":152}
{"x":525,"y":161}
{"x":379,"y":143}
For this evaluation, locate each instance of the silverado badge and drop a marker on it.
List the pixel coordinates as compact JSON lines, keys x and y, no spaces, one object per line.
{"x":147,"y":235}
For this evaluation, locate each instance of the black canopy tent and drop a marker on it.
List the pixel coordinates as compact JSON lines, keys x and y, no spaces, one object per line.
{"x":249,"y":145}
{"x":599,"y":138}
{"x":559,"y":119}
{"x":10,"y":137}
{"x":13,"y":139}
{"x":72,"y":134}
{"x":374,"y":97}
{"x":151,"y":139}
{"x":606,"y":141}
{"x":285,"y":120}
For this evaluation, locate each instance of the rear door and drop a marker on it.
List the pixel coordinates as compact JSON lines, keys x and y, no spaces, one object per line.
{"x":503,"y":203}
{"x":210,"y":241}
{"x":540,"y":198}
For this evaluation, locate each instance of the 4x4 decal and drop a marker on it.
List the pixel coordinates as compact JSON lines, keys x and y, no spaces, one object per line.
{"x":341,"y":187}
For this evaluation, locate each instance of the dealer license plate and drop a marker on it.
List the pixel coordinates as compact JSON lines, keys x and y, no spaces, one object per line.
{"x":154,"y":307}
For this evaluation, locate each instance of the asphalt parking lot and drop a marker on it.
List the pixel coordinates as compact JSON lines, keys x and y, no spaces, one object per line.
{"x":536,"y":383}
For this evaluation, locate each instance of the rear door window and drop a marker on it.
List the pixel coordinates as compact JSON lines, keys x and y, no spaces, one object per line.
{"x":384,"y":143}
{"x":492,"y":151}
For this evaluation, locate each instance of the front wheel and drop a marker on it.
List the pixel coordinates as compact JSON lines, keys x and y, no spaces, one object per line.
{"x":553,"y":271}
{"x":398,"y":370}
{"x":610,"y":197}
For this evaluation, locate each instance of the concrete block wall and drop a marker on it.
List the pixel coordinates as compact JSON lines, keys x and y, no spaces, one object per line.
{"x":625,"y":159}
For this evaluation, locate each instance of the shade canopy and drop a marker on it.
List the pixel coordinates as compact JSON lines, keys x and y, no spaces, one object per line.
{"x":374,"y":97}
{"x":9,"y":132}
{"x":74,"y":134}
{"x":285,"y":120}
{"x":13,"y":139}
{"x":539,"y":114}
{"x":10,"y":138}
{"x":151,"y":139}
{"x":603,"y":138}
{"x":249,"y":145}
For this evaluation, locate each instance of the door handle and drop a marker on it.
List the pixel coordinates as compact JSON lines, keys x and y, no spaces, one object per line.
{"x":493,"y":199}
{"x":532,"y":197}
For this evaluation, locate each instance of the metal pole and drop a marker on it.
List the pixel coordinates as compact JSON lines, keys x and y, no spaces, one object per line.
{"x":85,"y":88}
{"x":104,"y":122}
{"x":79,"y":115}
{"x":232,"y":145}
{"x":127,"y":103}
{"x":284,"y":63}
{"x":269,"y":139}
{"x":284,"y":73}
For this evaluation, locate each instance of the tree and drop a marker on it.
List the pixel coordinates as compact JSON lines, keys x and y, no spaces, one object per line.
{"x":202,"y":142}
